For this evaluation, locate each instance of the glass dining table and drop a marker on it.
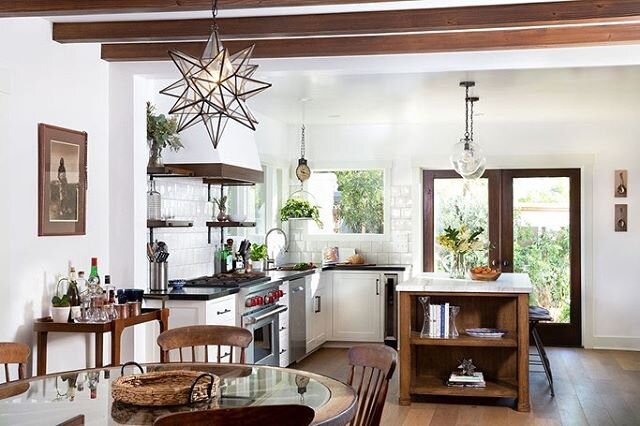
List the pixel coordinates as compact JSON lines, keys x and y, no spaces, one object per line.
{"x":84,"y":396}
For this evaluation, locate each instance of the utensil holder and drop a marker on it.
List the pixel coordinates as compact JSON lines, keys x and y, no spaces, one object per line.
{"x":158,"y":276}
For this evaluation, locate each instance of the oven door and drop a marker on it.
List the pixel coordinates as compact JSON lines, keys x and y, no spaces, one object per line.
{"x":265,"y":328}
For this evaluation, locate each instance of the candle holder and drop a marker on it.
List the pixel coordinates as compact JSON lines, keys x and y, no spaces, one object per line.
{"x":453,"y":313}
{"x":424,"y":300}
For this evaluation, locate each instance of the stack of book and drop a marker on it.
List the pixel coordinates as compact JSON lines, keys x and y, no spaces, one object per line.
{"x":458,"y":380}
{"x":439,"y":321}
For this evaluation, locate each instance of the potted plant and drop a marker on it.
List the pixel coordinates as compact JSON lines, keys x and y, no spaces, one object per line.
{"x":300,"y":209}
{"x":221,"y":203}
{"x":60,"y":308}
{"x":162,"y":132}
{"x":257,"y":254}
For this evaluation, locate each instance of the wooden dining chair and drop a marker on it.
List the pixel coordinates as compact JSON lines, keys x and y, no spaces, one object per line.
{"x":14,"y":353}
{"x":197,"y":336}
{"x":372,"y":367}
{"x":264,"y":415}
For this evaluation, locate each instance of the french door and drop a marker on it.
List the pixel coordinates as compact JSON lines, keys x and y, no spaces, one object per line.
{"x":531,"y":219}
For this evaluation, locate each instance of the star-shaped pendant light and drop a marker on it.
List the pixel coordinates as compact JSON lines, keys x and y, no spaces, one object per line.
{"x":215,"y":87}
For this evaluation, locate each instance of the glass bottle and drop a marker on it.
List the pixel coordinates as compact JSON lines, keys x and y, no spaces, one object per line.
{"x":85,"y":298}
{"x":154,"y":203}
{"x":73,"y":294}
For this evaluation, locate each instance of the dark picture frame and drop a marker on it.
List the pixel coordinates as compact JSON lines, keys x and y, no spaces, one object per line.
{"x":62,"y":181}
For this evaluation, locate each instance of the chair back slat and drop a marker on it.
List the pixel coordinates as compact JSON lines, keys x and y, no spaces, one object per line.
{"x":274,"y":415}
{"x":372,"y":367}
{"x":203,"y":336}
{"x":14,"y":353}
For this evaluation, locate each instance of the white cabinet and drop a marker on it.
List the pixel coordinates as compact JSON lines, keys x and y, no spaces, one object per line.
{"x":318,"y":306}
{"x":182,"y":313}
{"x":358,"y":307}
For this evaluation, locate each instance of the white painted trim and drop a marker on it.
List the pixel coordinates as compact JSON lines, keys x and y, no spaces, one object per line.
{"x":621,"y":343}
{"x":358,"y":165}
{"x":582,"y":161}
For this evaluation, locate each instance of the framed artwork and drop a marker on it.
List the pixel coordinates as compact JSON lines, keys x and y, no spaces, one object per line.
{"x":62,"y":181}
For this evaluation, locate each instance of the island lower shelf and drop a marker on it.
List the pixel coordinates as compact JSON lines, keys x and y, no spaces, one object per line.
{"x":425,"y":363}
{"x":431,"y":385}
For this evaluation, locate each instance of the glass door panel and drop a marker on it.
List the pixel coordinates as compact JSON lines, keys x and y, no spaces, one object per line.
{"x":458,"y":202}
{"x":541,"y":241}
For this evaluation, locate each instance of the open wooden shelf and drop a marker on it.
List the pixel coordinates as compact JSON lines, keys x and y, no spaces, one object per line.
{"x":169,"y":171}
{"x":214,"y":224}
{"x":431,"y":385}
{"x":169,"y":223}
{"x":508,"y":341}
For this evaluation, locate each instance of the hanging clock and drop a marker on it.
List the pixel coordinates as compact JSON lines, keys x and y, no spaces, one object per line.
{"x":303,"y":172}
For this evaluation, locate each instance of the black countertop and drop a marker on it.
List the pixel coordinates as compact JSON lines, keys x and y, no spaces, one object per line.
{"x":191,"y":293}
{"x":395,"y":268}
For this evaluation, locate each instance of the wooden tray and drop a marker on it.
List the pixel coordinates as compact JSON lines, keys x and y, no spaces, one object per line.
{"x":485,"y":277}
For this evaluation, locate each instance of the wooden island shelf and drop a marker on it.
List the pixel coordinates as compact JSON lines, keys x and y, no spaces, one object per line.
{"x":425,"y":363}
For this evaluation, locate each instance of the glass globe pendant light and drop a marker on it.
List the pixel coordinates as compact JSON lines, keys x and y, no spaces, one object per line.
{"x":467,"y":158}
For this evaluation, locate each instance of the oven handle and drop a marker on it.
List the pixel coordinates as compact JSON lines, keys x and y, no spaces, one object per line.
{"x":253,"y":320}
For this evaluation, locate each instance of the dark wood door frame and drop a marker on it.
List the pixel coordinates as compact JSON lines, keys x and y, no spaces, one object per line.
{"x":501,"y":235}
{"x":428,"y":238}
{"x":555,"y":334}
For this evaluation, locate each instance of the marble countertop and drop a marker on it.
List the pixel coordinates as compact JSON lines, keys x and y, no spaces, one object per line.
{"x":439,"y":282}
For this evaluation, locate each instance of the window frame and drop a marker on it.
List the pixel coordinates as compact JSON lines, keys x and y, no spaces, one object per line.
{"x":354,"y":166}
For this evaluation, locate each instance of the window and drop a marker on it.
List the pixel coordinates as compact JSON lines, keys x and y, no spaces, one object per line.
{"x":350,"y":201}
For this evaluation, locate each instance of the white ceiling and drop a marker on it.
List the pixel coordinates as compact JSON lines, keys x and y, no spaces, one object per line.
{"x":299,"y":10}
{"x":507,"y":95}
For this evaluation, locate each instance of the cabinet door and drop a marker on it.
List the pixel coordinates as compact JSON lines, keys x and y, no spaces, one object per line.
{"x":357,"y":307}
{"x":315,"y":307}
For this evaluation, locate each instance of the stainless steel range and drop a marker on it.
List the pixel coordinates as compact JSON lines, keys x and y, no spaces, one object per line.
{"x":259,"y":313}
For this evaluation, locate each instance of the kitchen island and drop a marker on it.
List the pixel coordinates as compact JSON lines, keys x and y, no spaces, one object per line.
{"x":425,"y":363}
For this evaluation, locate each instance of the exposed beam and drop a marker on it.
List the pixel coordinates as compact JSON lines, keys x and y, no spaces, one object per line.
{"x":393,"y":44}
{"x":9,"y":8}
{"x":382,"y":22}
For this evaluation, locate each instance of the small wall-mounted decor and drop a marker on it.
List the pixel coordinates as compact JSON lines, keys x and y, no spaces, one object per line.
{"x":621,"y":188}
{"x":621,"y":218}
{"x":62,"y":181}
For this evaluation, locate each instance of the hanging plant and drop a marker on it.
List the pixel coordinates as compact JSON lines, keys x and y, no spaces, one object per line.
{"x":300,"y":209}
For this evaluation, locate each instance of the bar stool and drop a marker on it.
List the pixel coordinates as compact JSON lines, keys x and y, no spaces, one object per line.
{"x":537,"y":314}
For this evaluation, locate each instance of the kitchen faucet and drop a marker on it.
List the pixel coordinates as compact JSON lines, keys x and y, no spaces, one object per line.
{"x":272,"y":261}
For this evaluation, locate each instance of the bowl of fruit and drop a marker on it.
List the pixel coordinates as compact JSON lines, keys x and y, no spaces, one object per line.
{"x":484,"y":273}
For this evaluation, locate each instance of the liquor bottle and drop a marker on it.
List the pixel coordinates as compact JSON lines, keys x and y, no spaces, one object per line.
{"x":72,"y":290}
{"x":94,"y":279}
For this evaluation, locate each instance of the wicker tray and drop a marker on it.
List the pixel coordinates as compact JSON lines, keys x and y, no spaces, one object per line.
{"x":165,"y":388}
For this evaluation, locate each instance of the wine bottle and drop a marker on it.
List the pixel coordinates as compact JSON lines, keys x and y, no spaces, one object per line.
{"x":72,"y":290}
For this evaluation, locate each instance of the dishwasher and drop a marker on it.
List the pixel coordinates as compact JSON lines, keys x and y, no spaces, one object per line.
{"x":297,"y":319}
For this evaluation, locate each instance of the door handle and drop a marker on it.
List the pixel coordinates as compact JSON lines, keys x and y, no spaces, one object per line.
{"x":378,"y":287}
{"x":506,"y":263}
{"x":318,"y":305}
{"x":282,"y":351}
{"x":226,"y":311}
{"x":495,"y":262}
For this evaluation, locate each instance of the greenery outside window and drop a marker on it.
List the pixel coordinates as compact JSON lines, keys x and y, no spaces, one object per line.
{"x":352,"y":202}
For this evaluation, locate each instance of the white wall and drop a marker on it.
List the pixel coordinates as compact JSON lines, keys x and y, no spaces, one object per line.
{"x":64,"y":85}
{"x":599,"y":147}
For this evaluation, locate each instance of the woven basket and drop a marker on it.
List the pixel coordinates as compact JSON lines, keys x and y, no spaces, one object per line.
{"x":164,"y":388}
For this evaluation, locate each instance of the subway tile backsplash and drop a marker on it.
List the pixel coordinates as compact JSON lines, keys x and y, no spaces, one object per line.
{"x":397,"y":250}
{"x":186,"y":199}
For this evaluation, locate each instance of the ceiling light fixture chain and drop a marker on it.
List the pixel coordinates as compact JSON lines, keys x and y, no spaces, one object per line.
{"x":214,"y":13}
{"x":467,"y":157}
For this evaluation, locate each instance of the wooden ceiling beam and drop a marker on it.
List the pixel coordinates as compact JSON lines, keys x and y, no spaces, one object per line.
{"x":393,"y":44}
{"x":382,"y":22}
{"x":17,"y":8}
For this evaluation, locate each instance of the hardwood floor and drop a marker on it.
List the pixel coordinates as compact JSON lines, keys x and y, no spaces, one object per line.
{"x":593,"y":387}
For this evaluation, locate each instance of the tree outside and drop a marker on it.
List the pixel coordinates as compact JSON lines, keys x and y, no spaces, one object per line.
{"x":359,"y":202}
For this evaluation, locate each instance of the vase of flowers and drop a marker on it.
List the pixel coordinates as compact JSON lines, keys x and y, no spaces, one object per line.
{"x":460,"y":242}
{"x":162,"y":132}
